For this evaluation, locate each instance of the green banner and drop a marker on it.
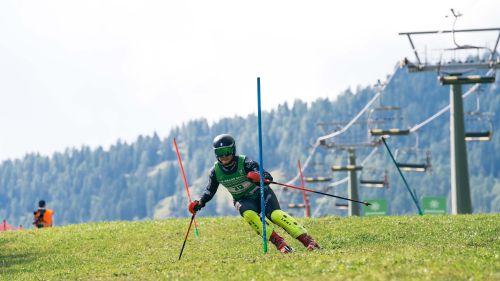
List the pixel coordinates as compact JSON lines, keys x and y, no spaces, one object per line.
{"x":378,"y":207}
{"x":434,"y":205}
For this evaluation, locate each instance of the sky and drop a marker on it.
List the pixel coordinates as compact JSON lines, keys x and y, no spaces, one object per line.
{"x":90,"y":72}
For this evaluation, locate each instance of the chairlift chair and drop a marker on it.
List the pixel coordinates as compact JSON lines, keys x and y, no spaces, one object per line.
{"x":296,"y":206}
{"x":341,"y":205}
{"x":355,"y":136}
{"x":453,"y":58}
{"x":467,"y":63}
{"x":339,"y":168}
{"x":415,"y":166}
{"x":317,"y":179}
{"x":373,"y":174}
{"x":319,"y":168}
{"x":458,"y":60}
{"x":382,"y":120}
{"x":381,"y":181}
{"x":413,"y":159}
{"x":478,"y":125}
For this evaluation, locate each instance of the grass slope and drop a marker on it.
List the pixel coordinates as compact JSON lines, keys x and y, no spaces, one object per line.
{"x":462,"y":247}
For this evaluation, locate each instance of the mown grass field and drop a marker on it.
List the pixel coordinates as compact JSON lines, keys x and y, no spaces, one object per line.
{"x":463,"y":247}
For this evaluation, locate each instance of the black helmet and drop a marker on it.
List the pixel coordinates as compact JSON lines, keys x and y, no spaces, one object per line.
{"x":224,"y":145}
{"x":41,"y":204}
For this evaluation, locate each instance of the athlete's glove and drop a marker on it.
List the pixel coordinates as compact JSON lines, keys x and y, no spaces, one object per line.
{"x":255,"y":177}
{"x":195,"y":206}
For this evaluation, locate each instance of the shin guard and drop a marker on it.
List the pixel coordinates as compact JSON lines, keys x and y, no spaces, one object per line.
{"x":288,"y":223}
{"x":255,"y":222}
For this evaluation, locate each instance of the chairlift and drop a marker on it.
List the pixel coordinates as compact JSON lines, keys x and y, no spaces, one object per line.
{"x":341,"y":205}
{"x":452,"y":65}
{"x":373,"y":174}
{"x":421,"y":160}
{"x":463,"y":64}
{"x":382,"y":120}
{"x":355,"y":136}
{"x":329,"y":127}
{"x":456,"y":15}
{"x":455,"y":58}
{"x":346,"y":167}
{"x":317,"y":179}
{"x":339,"y":168}
{"x":296,"y":206}
{"x":479,"y":126}
{"x":385,"y":119}
{"x":370,"y":178}
{"x":318,"y":169}
{"x":413,"y":159}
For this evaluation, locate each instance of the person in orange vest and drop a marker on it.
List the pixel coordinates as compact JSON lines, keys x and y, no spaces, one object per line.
{"x":42,"y":216}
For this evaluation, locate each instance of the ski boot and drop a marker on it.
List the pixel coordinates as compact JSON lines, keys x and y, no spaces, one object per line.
{"x":308,"y":242}
{"x":280,"y":243}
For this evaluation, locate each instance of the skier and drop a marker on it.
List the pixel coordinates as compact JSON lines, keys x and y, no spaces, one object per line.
{"x":240,"y":176}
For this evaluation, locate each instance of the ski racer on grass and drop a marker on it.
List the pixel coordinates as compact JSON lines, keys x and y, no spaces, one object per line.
{"x":240,"y":176}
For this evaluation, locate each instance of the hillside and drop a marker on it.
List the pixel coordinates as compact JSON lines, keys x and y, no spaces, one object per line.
{"x":462,"y":247}
{"x":142,"y":180}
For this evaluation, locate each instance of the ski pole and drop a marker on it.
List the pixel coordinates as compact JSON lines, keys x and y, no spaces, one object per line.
{"x":319,"y":192}
{"x":185,"y":182}
{"x":186,"y":237}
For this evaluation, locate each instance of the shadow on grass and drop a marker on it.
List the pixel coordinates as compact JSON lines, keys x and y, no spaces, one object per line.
{"x":11,"y":263}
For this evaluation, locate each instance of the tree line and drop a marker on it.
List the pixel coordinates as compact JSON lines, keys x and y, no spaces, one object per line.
{"x":142,"y":179}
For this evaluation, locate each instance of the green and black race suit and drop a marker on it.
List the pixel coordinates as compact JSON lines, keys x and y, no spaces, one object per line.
{"x":234,"y":179}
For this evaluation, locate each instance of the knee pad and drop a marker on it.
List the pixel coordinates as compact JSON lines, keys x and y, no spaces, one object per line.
{"x":288,"y":223}
{"x":255,"y":222}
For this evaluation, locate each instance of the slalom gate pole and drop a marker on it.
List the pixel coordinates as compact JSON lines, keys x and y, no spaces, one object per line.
{"x":186,"y":237}
{"x":185,"y":182}
{"x":261,"y":170}
{"x":306,"y":202}
{"x":413,"y":196}
{"x":319,"y":192}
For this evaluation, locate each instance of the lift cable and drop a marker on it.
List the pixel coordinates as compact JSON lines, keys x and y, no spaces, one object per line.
{"x":365,"y":108}
{"x":446,"y":108}
{"x":346,"y":127}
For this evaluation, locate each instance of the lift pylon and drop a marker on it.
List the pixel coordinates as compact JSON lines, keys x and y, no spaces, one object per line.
{"x":357,"y":139}
{"x":457,"y":65}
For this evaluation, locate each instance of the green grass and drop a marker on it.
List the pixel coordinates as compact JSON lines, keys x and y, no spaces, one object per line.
{"x":463,"y":247}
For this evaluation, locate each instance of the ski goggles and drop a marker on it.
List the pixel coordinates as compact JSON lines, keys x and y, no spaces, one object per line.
{"x":224,"y":151}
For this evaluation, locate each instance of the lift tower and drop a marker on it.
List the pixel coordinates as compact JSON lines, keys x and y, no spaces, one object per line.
{"x":452,"y":66}
{"x":350,"y":143}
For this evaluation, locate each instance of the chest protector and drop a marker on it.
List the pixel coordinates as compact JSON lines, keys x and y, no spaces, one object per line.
{"x":236,"y":183}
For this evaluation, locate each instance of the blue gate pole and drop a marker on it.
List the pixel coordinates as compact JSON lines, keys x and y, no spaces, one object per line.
{"x":261,"y":171}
